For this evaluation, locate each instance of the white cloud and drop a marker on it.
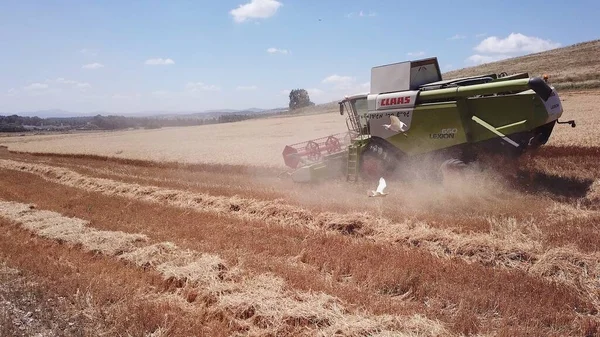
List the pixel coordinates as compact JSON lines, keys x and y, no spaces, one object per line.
{"x":338,"y":79}
{"x":11,"y":92}
{"x":73,"y":83}
{"x":36,"y":86}
{"x":481,"y":59}
{"x":247,"y":87}
{"x":457,"y":37}
{"x":361,"y":14}
{"x":328,"y":94}
{"x":63,"y":81}
{"x":255,"y":9}
{"x":339,"y":86}
{"x":159,"y":61}
{"x":126,"y":96}
{"x":515,"y":43}
{"x":340,"y":82}
{"x":92,"y":66}
{"x":86,"y":51}
{"x":55,"y":86}
{"x":418,"y":53}
{"x":274,"y":50}
{"x":315,"y":92}
{"x":160,"y":93}
{"x":332,"y":88}
{"x":481,"y":35}
{"x":199,"y":86}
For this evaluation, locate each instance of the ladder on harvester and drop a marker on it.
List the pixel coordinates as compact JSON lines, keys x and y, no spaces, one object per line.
{"x":352,"y":167}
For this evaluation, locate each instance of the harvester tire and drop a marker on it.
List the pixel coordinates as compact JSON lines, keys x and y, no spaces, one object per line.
{"x":371,"y":167}
{"x":453,"y":164}
{"x":451,"y":167}
{"x":376,"y":161}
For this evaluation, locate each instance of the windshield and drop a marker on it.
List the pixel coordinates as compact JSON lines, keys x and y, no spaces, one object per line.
{"x":357,"y":109}
{"x":361,"y":108}
{"x":360,"y":105}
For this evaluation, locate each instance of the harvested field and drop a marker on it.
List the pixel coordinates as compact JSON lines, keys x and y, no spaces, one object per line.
{"x":136,"y":246}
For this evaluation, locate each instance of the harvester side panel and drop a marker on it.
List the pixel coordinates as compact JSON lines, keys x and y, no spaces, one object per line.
{"x":433,"y":127}
{"x":377,"y":120}
{"x":396,"y":100}
{"x":389,"y":78}
{"x":509,"y":114}
{"x":554,"y":107}
{"x":424,"y":72}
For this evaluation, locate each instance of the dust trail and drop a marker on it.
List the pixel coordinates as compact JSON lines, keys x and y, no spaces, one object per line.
{"x":509,"y":243}
{"x":259,"y":304}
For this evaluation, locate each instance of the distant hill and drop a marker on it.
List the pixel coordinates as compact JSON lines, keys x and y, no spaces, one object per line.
{"x":57,"y":113}
{"x":572,"y":67}
{"x":53,"y":113}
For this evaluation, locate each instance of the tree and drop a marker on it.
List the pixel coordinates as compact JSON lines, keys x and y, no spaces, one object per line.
{"x":299,"y":99}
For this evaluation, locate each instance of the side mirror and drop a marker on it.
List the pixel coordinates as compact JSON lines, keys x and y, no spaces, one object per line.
{"x":341,"y":108}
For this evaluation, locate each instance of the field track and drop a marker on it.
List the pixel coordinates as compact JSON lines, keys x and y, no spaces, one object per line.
{"x":220,"y":250}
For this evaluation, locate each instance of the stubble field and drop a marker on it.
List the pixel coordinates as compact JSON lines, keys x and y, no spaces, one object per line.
{"x":94,"y":246}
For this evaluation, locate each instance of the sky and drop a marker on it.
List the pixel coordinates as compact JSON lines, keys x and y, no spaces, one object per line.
{"x":182,"y":56}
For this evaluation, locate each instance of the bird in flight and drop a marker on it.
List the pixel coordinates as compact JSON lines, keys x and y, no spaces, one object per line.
{"x":395,"y":125}
{"x":379,"y":192}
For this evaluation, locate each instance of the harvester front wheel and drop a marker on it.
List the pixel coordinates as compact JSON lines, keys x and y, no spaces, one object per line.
{"x":376,"y":162}
{"x":450,"y":168}
{"x":371,"y":167}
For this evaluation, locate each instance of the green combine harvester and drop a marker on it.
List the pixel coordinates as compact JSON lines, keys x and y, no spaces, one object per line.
{"x":411,"y":114}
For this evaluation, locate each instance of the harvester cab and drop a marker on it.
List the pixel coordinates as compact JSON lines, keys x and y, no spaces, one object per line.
{"x":411,"y":113}
{"x":394,"y":89}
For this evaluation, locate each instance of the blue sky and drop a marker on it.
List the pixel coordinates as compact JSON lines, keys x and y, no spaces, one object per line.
{"x":130,"y":56}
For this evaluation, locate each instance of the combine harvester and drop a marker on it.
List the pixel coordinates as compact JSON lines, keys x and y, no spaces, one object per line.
{"x":411,"y":114}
